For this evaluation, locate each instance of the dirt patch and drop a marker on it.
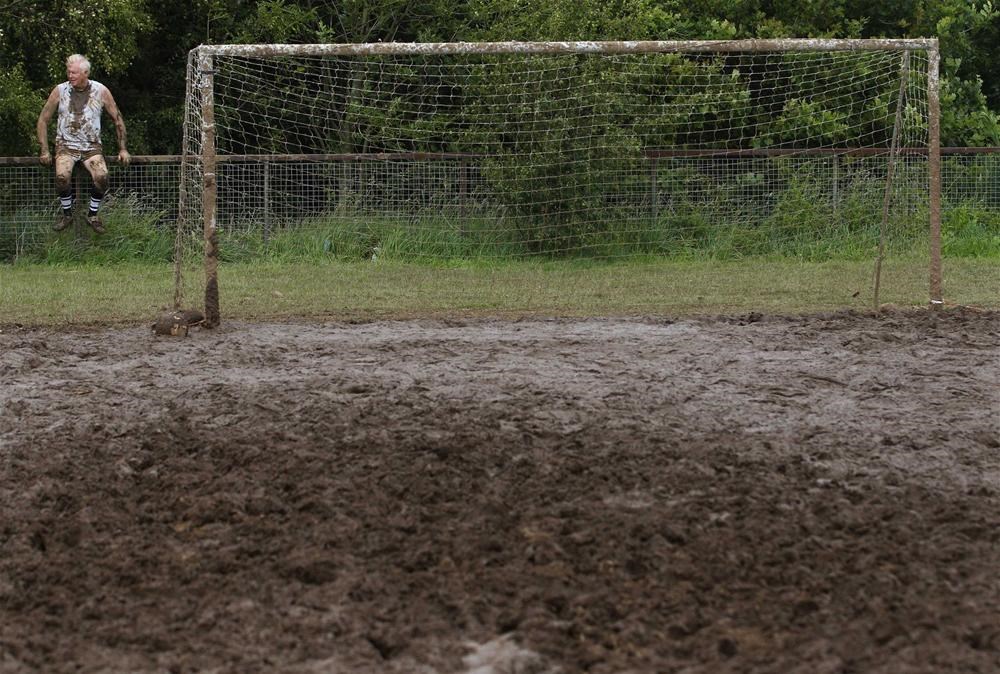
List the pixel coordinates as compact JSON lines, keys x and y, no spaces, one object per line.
{"x":752,"y":494}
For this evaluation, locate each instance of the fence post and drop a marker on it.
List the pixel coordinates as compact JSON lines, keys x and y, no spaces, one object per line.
{"x":267,"y":201}
{"x":654,"y":193}
{"x":836,"y":187}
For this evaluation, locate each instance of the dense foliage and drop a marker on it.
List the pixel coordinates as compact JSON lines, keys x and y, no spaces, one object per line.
{"x":140,"y":47}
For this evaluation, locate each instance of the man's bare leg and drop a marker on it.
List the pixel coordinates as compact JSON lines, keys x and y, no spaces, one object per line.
{"x":99,"y":175}
{"x":64,"y":188}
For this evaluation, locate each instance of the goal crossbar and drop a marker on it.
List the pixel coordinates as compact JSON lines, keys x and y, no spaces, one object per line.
{"x":580,"y":47}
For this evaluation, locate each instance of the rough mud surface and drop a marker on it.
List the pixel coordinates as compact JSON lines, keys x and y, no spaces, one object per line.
{"x":811,"y":494}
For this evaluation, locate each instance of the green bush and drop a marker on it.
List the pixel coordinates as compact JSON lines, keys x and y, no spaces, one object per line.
{"x":970,"y":231}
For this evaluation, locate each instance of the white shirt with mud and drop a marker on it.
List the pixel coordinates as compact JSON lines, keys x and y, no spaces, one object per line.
{"x":79,"y":125}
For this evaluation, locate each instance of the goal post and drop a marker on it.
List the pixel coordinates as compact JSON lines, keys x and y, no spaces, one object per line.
{"x":563,"y":149}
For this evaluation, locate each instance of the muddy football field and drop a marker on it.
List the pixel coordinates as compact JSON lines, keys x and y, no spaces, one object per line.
{"x":810,"y":494}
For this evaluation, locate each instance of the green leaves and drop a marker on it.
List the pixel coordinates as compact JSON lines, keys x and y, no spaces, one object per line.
{"x":140,"y":46}
{"x":276,"y":21}
{"x":40,"y":35}
{"x":19,"y":106}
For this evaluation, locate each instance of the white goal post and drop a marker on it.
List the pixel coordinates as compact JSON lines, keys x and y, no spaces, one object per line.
{"x":604,"y":149}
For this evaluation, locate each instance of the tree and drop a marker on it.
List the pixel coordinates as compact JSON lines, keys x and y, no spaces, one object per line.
{"x":140,"y":48}
{"x":19,"y":108}
{"x":41,"y":34}
{"x":968,"y":30}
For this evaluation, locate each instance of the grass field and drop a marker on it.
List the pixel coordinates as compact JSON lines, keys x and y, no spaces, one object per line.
{"x":86,"y":294}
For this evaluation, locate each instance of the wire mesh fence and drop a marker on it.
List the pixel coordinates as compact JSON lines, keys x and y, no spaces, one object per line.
{"x":145,"y":193}
{"x":449,"y":205}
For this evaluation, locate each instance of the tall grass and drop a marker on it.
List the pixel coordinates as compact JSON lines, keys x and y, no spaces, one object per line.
{"x":685,"y":234}
{"x":971,"y":231}
{"x":744,"y":218}
{"x":132,"y":236}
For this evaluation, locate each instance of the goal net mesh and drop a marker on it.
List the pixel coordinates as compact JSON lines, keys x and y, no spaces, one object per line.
{"x":450,"y":155}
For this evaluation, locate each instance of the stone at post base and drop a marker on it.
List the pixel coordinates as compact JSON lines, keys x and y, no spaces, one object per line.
{"x":177,"y":323}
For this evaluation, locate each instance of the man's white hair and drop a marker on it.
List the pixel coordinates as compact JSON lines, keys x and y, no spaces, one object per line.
{"x":80,"y":60}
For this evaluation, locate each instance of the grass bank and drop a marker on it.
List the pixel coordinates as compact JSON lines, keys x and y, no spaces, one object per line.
{"x":48,"y":294}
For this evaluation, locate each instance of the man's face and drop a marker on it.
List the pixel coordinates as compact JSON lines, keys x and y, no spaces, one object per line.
{"x":76,"y":76}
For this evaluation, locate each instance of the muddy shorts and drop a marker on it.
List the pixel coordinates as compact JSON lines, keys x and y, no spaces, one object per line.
{"x":78,"y":155}
{"x":93,"y":159}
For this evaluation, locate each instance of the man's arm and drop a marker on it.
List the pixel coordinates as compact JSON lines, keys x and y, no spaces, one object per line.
{"x":116,"y":116}
{"x":42,"y":128}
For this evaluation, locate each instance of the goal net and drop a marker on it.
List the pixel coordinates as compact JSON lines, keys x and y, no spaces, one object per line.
{"x":503,"y":151}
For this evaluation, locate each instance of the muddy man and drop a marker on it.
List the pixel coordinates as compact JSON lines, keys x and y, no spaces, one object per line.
{"x":80,"y":101}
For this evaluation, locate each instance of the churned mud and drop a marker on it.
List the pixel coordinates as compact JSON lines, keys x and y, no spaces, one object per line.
{"x":812,"y":494}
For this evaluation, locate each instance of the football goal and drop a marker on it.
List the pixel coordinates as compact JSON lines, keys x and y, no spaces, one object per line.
{"x":553,"y":150}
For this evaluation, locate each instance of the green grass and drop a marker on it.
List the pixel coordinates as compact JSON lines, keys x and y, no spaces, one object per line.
{"x":802,"y":226}
{"x":59,"y":294}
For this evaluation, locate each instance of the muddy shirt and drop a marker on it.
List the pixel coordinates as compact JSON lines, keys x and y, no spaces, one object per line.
{"x":79,"y":125}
